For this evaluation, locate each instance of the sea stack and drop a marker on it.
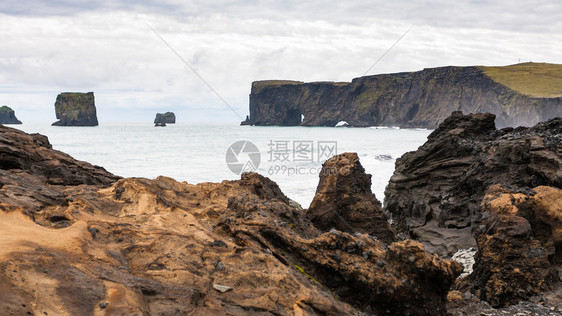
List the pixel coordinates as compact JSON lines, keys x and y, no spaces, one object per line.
{"x":75,"y":109}
{"x":8,"y":116}
{"x":165,"y":118}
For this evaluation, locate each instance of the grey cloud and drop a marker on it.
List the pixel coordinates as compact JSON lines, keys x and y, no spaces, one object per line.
{"x":518,"y":15}
{"x":71,"y":7}
{"x":106,"y":46}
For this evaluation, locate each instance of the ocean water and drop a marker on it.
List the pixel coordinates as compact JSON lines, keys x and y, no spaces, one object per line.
{"x":197,"y":152}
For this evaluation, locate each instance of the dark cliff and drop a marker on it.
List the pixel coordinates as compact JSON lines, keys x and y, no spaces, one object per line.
{"x":414,"y":99}
{"x":76,"y":109}
{"x":8,"y":116}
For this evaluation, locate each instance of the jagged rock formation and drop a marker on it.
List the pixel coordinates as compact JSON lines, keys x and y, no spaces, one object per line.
{"x":32,"y":154}
{"x":165,"y":118}
{"x":435,"y":192}
{"x":344,"y":200}
{"x":32,"y":174}
{"x":75,"y":109}
{"x":471,"y":185}
{"x":246,"y":121}
{"x":415,"y":99}
{"x":519,"y":245}
{"x":77,"y":240}
{"x":8,"y":116}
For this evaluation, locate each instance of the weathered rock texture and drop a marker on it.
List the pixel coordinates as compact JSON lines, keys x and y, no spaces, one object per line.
{"x":161,"y":247}
{"x":32,"y":174}
{"x":33,"y":154}
{"x":165,"y":118}
{"x":8,"y":116}
{"x":344,"y":200}
{"x":435,"y":192}
{"x":414,"y":99}
{"x":519,"y":245}
{"x":75,"y":109}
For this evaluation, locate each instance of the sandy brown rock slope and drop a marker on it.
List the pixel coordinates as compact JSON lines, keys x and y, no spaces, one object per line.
{"x":77,"y":240}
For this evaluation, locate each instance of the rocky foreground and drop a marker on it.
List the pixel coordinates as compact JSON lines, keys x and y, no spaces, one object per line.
{"x":77,"y":240}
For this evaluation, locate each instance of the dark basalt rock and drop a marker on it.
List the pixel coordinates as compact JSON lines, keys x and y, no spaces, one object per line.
{"x":435,"y":192}
{"x":246,"y":121}
{"x":162,"y":119}
{"x":75,"y":109}
{"x":519,"y":245}
{"x":8,"y":116}
{"x":411,"y":99}
{"x":344,"y":200}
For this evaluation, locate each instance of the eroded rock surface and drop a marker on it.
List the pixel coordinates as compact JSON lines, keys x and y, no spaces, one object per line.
{"x":519,"y":245}
{"x":435,"y":192}
{"x":33,"y":175}
{"x":162,"y":247}
{"x":344,"y":200}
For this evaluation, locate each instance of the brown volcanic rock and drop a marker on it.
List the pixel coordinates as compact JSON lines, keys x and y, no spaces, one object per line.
{"x":32,"y":153}
{"x":161,"y":247}
{"x":359,"y":269}
{"x":519,"y":245}
{"x":31,"y":171}
{"x":344,"y":200}
{"x":435,"y":192}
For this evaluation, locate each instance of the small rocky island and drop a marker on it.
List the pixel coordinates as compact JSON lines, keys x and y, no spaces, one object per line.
{"x":78,"y":240}
{"x":76,"y":109}
{"x":8,"y":116}
{"x":164,"y":118}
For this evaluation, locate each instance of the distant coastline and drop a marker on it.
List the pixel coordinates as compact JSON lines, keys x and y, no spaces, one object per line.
{"x":519,"y":95}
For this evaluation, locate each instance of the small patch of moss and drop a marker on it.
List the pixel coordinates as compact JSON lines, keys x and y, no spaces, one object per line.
{"x":301,"y":270}
{"x":5,"y":108}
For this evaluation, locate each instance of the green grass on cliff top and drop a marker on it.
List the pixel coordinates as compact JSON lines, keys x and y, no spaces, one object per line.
{"x":539,"y":80}
{"x":275,"y":83}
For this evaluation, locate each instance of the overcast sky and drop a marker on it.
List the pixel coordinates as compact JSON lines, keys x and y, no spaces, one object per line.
{"x":50,"y":47}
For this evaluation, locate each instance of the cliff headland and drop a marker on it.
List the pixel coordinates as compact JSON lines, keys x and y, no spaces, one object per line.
{"x":519,"y":95}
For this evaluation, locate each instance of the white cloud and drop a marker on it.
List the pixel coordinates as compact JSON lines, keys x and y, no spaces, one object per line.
{"x":108,"y":48}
